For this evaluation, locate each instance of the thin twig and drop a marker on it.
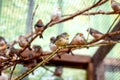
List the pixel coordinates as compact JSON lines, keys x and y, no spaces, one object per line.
{"x":12,"y":71}
{"x":47,"y":69}
{"x":113,"y":23}
{"x":34,"y":14}
{"x":96,"y":13}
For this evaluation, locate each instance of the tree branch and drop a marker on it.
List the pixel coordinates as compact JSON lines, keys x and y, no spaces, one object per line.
{"x":95,"y":13}
{"x":100,"y":2}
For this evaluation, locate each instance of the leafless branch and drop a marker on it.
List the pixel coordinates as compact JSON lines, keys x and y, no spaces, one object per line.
{"x":96,"y":13}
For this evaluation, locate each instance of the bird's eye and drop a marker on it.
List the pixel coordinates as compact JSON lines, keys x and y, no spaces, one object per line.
{"x":8,"y":47}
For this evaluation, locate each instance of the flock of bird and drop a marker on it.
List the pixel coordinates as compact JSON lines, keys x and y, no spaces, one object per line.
{"x":55,"y":42}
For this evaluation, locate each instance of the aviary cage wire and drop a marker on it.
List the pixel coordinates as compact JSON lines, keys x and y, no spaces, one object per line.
{"x":14,"y":15}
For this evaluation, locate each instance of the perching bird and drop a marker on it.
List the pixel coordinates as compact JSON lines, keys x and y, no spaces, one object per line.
{"x":79,"y":39}
{"x":52,"y":44}
{"x":3,"y":44}
{"x":56,"y":15}
{"x":58,"y":71}
{"x":39,"y":26}
{"x":23,"y":42}
{"x":96,"y":34}
{"x":11,"y":52}
{"x":37,"y":49}
{"x":115,"y":6}
{"x":62,"y":39}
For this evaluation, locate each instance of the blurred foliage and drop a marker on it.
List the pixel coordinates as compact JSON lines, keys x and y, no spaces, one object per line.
{"x":13,"y":23}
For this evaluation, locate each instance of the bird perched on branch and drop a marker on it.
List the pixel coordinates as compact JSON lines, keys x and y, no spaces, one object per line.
{"x":39,"y":26}
{"x":11,"y":52}
{"x":62,"y":39}
{"x":23,"y":42}
{"x":3,"y":46}
{"x":96,"y":34}
{"x":37,"y":49}
{"x":52,"y":44}
{"x":3,"y":43}
{"x":56,"y":15}
{"x":115,"y":6}
{"x":79,"y":39}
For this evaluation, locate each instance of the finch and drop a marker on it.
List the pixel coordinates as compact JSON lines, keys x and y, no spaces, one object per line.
{"x":37,"y":49}
{"x":39,"y":26}
{"x":56,"y":15}
{"x":62,"y":39}
{"x":79,"y":39}
{"x":23,"y":42}
{"x":3,"y":44}
{"x":96,"y":34}
{"x":52,"y":44}
{"x":115,"y":6}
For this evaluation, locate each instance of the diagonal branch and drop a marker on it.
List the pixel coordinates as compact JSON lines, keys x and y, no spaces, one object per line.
{"x":100,"y":2}
{"x":95,"y":13}
{"x":12,"y":71}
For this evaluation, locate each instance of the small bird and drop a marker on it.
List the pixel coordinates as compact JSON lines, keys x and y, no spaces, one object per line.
{"x":23,"y":42}
{"x":52,"y":44}
{"x":79,"y":39}
{"x":39,"y":26}
{"x":56,"y":15}
{"x":11,"y":52}
{"x":3,"y":43}
{"x":96,"y":34}
{"x":58,"y":71}
{"x":3,"y":46}
{"x":115,"y":6}
{"x":37,"y":49}
{"x":62,"y":39}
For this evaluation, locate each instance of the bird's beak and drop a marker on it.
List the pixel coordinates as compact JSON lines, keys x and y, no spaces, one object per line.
{"x":81,"y":34}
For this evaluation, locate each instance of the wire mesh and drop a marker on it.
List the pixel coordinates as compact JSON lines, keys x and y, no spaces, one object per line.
{"x":112,"y":69}
{"x":13,"y":22}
